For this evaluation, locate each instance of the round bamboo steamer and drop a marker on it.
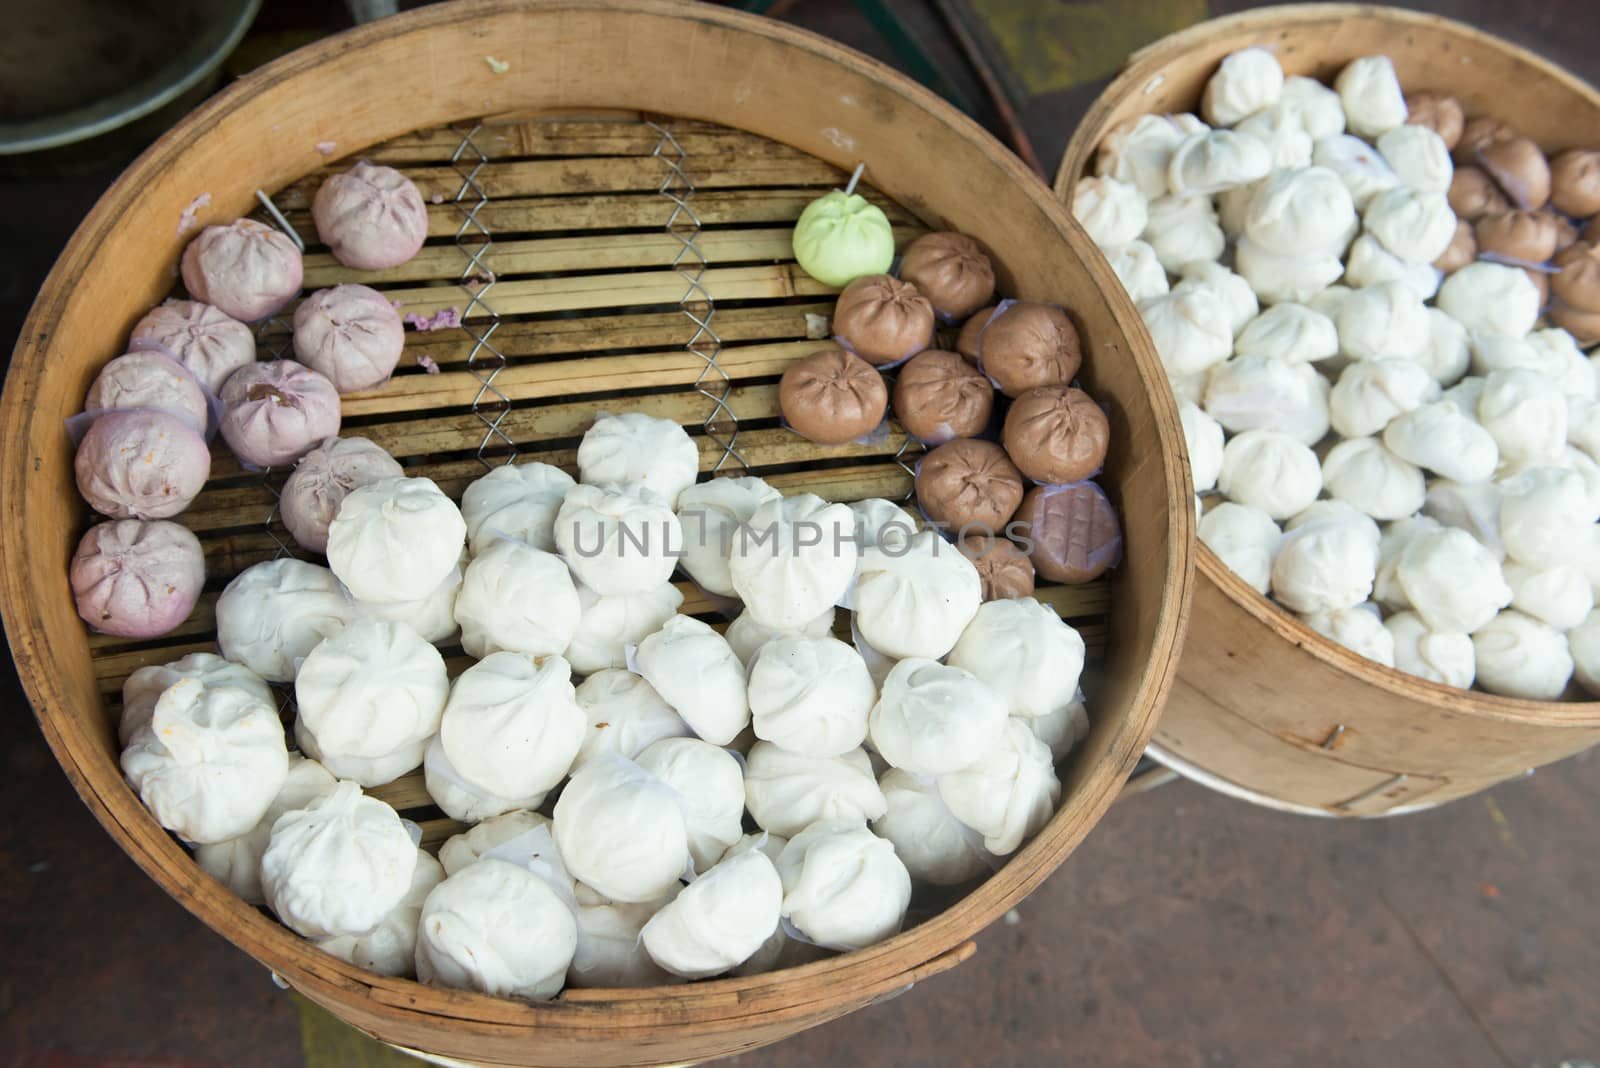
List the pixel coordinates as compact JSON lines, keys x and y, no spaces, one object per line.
{"x":366,"y":90}
{"x":1265,"y":708}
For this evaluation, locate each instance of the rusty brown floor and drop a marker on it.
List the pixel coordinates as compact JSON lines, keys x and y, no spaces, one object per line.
{"x":1189,"y":930}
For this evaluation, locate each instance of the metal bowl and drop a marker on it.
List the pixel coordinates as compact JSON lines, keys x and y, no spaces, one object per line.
{"x":214,"y":28}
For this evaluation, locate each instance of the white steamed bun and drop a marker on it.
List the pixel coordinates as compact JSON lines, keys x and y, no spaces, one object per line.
{"x":1009,"y":793}
{"x":497,"y":928}
{"x":515,"y":501}
{"x":915,"y":600}
{"x":337,"y":866}
{"x":1358,"y":628}
{"x":1245,"y":538}
{"x":1435,"y":655}
{"x":1518,"y":656}
{"x":209,"y":762}
{"x":843,"y":886}
{"x":621,"y":830}
{"x":1271,"y":471}
{"x":371,"y":689}
{"x":710,"y":514}
{"x":274,"y":613}
{"x":931,"y":719}
{"x":810,"y":696}
{"x":935,"y":847}
{"x":639,"y":449}
{"x":618,"y":537}
{"x":1373,"y":101}
{"x":512,"y":726}
{"x":796,"y":561}
{"x":1025,"y":652}
{"x":1246,"y":82}
{"x":395,"y":539}
{"x":695,"y":671}
{"x":1112,"y":212}
{"x":719,"y":920}
{"x":788,"y":792}
{"x":625,"y":715}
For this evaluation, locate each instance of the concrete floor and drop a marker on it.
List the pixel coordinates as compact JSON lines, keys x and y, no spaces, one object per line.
{"x":1188,"y":930}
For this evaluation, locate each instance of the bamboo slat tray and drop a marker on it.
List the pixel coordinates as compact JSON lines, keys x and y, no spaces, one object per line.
{"x":1265,"y":708}
{"x":615,"y":235}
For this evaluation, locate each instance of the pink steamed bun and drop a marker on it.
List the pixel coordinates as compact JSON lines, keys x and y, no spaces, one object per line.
{"x":274,"y":413}
{"x":203,"y":339}
{"x":137,"y":579}
{"x":246,"y":269}
{"x":350,"y":333}
{"x":370,"y":217}
{"x":150,"y":379}
{"x":141,"y":464}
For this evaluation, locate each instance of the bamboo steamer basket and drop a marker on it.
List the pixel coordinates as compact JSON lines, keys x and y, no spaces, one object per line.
{"x":1265,"y":708}
{"x":591,"y":296}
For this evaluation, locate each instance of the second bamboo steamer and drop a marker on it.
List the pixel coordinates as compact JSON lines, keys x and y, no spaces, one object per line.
{"x":1265,"y":708}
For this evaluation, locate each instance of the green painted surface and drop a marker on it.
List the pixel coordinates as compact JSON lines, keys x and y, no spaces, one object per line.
{"x":329,"y":1042}
{"x":1058,"y":45}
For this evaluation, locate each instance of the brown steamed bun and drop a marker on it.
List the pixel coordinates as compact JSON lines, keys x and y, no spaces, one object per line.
{"x":1585,"y":326}
{"x":1577,"y":282}
{"x":1566,"y":229}
{"x":939,"y":396}
{"x":1475,"y":134}
{"x":1473,"y":194}
{"x":883,"y":320}
{"x":1529,"y":236}
{"x":1439,"y":113}
{"x":969,"y":486}
{"x":832,"y":397}
{"x":1004,"y":569}
{"x":1575,"y":182}
{"x":971,"y":330}
{"x":1073,"y":531}
{"x":1029,"y":345}
{"x":1056,"y":434}
{"x":1462,"y":250}
{"x":1518,"y":166}
{"x":951,"y":271}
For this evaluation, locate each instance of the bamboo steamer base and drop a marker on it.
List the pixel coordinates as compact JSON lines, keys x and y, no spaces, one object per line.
{"x":1264,"y":708}
{"x":606,"y":257}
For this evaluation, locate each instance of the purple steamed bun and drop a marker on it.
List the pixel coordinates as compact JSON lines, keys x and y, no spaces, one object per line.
{"x":150,"y":379}
{"x":370,"y":217}
{"x":350,"y":333}
{"x":141,"y":464}
{"x":203,"y":339}
{"x":274,"y":413}
{"x":137,"y":579}
{"x":247,"y":270}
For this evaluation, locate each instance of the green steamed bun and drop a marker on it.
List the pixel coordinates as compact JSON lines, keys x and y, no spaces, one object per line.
{"x":841,"y":237}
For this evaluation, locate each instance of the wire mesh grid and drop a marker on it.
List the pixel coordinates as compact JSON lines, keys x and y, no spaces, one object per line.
{"x":275,"y":337}
{"x":478,"y":318}
{"x":721,"y":425}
